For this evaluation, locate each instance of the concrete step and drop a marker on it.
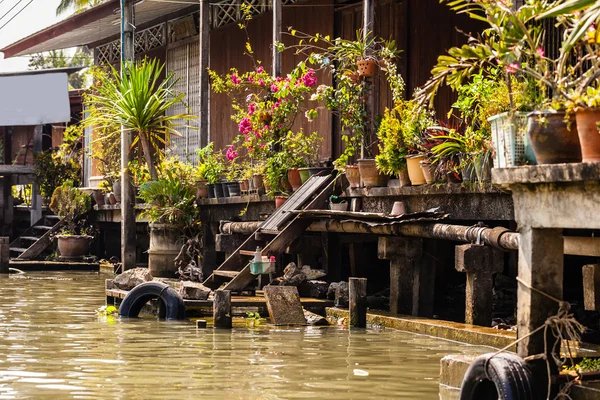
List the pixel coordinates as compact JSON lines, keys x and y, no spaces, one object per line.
{"x":30,"y":238}
{"x":42,"y":227}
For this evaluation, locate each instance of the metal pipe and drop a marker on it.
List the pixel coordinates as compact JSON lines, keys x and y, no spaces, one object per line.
{"x":497,"y":237}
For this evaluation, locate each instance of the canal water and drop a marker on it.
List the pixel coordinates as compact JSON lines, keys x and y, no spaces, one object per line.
{"x":53,"y":345}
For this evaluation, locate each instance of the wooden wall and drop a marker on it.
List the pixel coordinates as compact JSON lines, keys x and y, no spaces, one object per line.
{"x":227,"y":51}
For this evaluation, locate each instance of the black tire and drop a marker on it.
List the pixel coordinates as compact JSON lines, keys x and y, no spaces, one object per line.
{"x":171,"y":306}
{"x":503,"y":376}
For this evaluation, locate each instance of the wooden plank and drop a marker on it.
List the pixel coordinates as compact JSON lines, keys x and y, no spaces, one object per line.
{"x":281,"y":241}
{"x":283,"y":303}
{"x":10,"y":169}
{"x":41,"y":244}
{"x":226,"y":274}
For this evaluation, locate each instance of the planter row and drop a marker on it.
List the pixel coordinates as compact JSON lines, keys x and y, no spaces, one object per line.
{"x":294,"y":179}
{"x":544,"y":137}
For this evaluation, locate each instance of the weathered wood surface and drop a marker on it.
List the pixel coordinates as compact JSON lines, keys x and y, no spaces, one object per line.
{"x":358,"y":302}
{"x":4,"y":255}
{"x":284,"y":305}
{"x":222,"y":309}
{"x":591,"y":287}
{"x":10,"y":169}
{"x":42,"y":243}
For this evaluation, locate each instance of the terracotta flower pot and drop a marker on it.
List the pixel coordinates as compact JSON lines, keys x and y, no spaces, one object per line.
{"x":428,"y":172}
{"x":117,"y":190}
{"x":369,"y":174}
{"x":553,"y":141}
{"x":279,"y":200}
{"x":201,"y":190}
{"x":589,"y":134}
{"x":244,"y":185}
{"x":257,"y":181}
{"x":353,"y":176}
{"x":403,"y":177}
{"x":366,"y":67}
{"x":415,"y":173}
{"x":73,"y":246}
{"x":294,"y":178}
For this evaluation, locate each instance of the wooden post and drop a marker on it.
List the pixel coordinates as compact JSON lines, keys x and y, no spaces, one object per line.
{"x":540,"y":267}
{"x":276,"y":55}
{"x":35,"y":213}
{"x":405,"y":255}
{"x":204,"y":122}
{"x":480,"y":264}
{"x":591,"y":287}
{"x":128,"y":236}
{"x":4,"y":254}
{"x":222,"y":309}
{"x":7,"y":183}
{"x":368,"y":26}
{"x":357,"y":289}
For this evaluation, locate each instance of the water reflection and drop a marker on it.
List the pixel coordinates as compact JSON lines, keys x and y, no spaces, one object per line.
{"x":52,"y":345}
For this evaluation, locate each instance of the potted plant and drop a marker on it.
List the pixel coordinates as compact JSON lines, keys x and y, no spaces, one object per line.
{"x":173,"y":218}
{"x":138,"y":100}
{"x":515,"y":42}
{"x":71,"y":204}
{"x":232,"y":173}
{"x":200,"y":178}
{"x":391,"y":159}
{"x":54,"y":166}
{"x":302,"y":153}
{"x":337,"y":203}
{"x":213,"y":169}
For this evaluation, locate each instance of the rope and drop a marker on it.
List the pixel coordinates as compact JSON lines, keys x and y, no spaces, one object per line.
{"x":564,"y":327}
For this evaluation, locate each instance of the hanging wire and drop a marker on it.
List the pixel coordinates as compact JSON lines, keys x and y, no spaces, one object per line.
{"x":14,"y":16}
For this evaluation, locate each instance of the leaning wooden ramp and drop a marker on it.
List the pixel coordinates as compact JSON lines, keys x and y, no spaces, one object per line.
{"x":35,"y":240}
{"x":274,"y":234}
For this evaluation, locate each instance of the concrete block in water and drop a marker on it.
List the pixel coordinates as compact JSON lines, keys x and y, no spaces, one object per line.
{"x":284,"y":305}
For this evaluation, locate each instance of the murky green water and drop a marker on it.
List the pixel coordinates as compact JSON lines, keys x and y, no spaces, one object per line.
{"x":52,"y":345}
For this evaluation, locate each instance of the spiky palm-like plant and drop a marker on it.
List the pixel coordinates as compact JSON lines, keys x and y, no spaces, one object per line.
{"x":78,"y":5}
{"x":138,"y":100}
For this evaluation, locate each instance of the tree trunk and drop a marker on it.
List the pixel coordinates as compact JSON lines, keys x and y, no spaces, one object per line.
{"x":148,"y":155}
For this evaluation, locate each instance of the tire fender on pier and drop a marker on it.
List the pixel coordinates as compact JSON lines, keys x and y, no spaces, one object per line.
{"x":171,"y":307}
{"x":497,"y":376}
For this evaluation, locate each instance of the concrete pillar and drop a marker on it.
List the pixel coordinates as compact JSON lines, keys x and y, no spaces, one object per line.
{"x":480,"y":264}
{"x":541,"y":267}
{"x":406,"y":278}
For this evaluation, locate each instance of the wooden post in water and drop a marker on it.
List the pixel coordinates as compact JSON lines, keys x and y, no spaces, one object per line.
{"x":128,"y":237}
{"x":204,"y":36}
{"x":358,"y":302}
{"x":222,"y":309}
{"x":4,"y":254}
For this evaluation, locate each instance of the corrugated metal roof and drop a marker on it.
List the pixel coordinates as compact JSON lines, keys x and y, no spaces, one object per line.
{"x":93,"y":25}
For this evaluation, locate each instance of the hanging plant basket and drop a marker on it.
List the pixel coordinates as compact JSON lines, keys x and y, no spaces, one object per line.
{"x":366,"y":68}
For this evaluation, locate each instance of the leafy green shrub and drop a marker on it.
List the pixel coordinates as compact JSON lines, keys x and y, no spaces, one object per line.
{"x":70,"y":204}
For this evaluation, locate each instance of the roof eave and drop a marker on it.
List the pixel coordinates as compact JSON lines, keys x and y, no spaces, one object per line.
{"x":62,"y":27}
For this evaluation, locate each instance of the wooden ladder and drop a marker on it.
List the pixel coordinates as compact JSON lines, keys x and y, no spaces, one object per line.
{"x":35,"y":240}
{"x":274,"y":235}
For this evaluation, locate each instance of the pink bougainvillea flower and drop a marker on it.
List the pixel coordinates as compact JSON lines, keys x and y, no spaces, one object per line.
{"x":260,"y":69}
{"x":274,"y":88}
{"x":235,"y":79}
{"x":512,"y":68}
{"x":279,"y":79}
{"x":277,"y":104}
{"x":261,"y":82}
{"x":251,"y":109}
{"x":250,"y":79}
{"x":309,"y":79}
{"x":541,"y":51}
{"x":245,"y":126}
{"x":231,"y":154}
